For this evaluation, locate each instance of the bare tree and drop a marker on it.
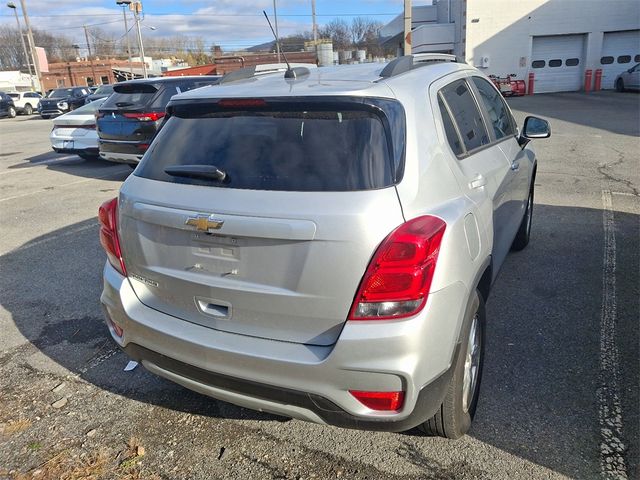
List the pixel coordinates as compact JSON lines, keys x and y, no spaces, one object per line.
{"x":338,"y":31}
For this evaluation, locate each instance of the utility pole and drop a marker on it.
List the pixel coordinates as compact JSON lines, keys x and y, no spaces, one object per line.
{"x":275,"y":14}
{"x":315,"y":26}
{"x":12,"y":6}
{"x":32,"y":45}
{"x":126,"y":34}
{"x":407,"y":27}
{"x":93,"y":69}
{"x":137,"y":8}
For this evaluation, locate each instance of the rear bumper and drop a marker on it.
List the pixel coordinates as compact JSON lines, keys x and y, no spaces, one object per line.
{"x":121,"y":152}
{"x":296,"y":380}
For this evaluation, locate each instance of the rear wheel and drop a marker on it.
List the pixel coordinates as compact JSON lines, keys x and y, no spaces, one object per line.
{"x":524,"y":232}
{"x":453,"y":418}
{"x":28,"y":109}
{"x":12,"y":112}
{"x":620,"y":85}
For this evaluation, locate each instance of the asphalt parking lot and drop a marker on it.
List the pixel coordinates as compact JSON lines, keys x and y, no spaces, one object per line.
{"x":560,"y":393}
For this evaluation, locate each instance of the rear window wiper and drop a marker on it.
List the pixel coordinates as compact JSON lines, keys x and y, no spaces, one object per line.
{"x":207,"y":172}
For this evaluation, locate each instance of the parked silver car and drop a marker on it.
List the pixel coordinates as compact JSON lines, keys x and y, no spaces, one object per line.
{"x":629,"y":79}
{"x":320,"y":244}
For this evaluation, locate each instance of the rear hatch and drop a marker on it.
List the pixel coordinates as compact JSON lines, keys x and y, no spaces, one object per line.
{"x":134,"y":111}
{"x":260,"y":217}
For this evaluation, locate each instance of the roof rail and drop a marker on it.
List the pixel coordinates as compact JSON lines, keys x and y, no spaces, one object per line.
{"x":300,"y":69}
{"x":409,"y":62}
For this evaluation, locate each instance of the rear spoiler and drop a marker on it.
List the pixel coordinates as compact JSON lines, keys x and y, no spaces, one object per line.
{"x":135,"y":88}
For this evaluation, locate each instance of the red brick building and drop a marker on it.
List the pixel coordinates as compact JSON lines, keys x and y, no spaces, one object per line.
{"x":230,"y":63}
{"x":67,"y":74}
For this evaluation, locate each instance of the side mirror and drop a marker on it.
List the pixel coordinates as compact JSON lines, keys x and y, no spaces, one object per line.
{"x":535,"y":127}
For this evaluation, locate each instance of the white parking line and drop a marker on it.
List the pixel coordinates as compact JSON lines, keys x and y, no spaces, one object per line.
{"x":114,"y":172}
{"x":612,"y":463}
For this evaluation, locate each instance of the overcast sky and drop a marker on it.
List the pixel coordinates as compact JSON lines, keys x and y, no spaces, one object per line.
{"x":234,"y":24}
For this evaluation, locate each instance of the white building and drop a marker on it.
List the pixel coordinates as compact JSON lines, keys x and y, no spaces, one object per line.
{"x":557,"y":40}
{"x":14,"y":80}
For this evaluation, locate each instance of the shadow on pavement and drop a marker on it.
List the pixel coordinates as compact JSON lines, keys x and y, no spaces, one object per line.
{"x":539,"y":398}
{"x":582,"y":109}
{"x":73,"y":165}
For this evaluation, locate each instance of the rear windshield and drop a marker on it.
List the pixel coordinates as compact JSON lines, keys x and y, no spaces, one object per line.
{"x":151,"y":100}
{"x":287,"y":148}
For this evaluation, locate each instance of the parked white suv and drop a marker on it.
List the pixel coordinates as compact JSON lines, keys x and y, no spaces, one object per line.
{"x":320,"y":244}
{"x":25,"y":102}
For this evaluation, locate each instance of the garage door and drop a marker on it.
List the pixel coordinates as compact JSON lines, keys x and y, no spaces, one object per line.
{"x":620,"y":52}
{"x":558,"y":62}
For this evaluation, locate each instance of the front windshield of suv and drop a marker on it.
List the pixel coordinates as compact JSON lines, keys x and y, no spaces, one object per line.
{"x":104,"y":90}
{"x":60,"y":93}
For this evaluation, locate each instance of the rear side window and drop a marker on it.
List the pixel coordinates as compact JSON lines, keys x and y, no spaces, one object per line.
{"x":499,"y":115}
{"x":285,"y":147}
{"x":466,"y":114}
{"x":450,"y":129}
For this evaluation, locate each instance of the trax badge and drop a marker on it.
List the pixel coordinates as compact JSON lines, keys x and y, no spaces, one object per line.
{"x":204,"y":223}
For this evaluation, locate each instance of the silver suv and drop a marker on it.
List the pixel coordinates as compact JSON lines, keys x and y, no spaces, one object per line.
{"x":320,"y":244}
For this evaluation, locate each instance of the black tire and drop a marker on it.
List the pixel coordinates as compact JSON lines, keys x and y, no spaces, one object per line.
{"x":620,"y":85}
{"x":28,"y":109}
{"x":11,"y":112}
{"x":46,"y":117}
{"x":453,"y":418}
{"x":524,"y":232}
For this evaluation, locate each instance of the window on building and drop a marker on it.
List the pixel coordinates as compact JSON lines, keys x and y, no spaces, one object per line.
{"x":450,"y":129}
{"x":499,"y":115}
{"x":89,"y":81}
{"x":466,"y":114}
{"x":60,"y":83}
{"x":555,"y":62}
{"x":636,"y":58}
{"x":572,"y":62}
{"x":538,"y":64}
{"x":104,"y":79}
{"x":624,"y":58}
{"x":606,"y":60}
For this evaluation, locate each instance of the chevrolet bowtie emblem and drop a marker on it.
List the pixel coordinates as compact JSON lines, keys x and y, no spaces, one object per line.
{"x":204,"y":223}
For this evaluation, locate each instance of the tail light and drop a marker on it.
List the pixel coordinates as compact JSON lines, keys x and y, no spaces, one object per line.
{"x":145,"y":117}
{"x":381,"y":401}
{"x":108,"y":216}
{"x":397,"y":281}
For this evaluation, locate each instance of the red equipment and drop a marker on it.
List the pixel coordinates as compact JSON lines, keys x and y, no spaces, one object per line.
{"x":587,"y":80}
{"x":508,"y":86}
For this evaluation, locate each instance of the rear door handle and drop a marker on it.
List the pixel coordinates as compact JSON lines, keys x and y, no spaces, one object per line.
{"x":478,"y":182}
{"x":515,"y":165}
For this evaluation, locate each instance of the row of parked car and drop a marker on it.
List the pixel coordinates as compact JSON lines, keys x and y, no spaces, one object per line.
{"x":117,"y":122}
{"x":56,"y":102}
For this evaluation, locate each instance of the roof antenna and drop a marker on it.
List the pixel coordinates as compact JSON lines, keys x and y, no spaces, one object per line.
{"x":290,"y":73}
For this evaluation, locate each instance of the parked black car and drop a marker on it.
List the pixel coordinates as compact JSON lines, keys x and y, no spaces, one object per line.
{"x":102,"y":91}
{"x":129,"y":118}
{"x":7,"y":108}
{"x":62,"y":100}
